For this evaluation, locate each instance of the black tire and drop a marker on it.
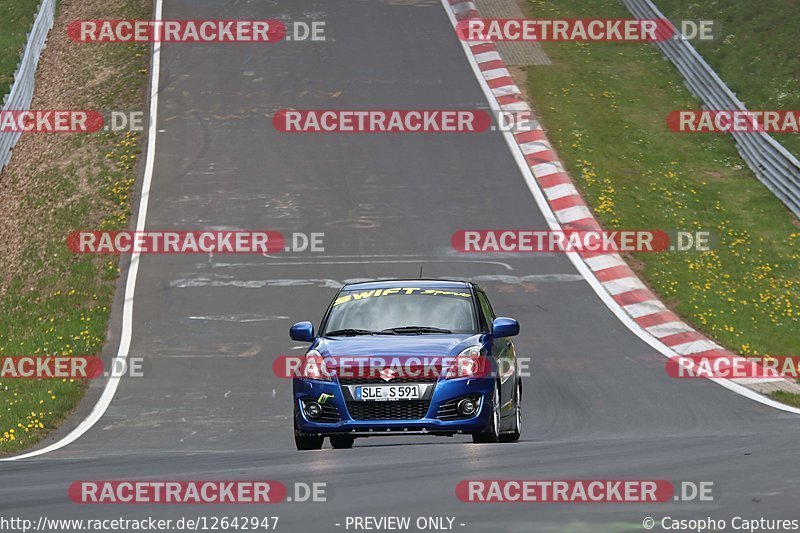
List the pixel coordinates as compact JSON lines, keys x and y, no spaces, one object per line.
{"x":341,"y":442}
{"x":308,"y":442}
{"x":491,"y":434}
{"x":516,"y":433}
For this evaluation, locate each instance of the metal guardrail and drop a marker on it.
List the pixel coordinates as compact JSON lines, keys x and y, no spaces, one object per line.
{"x":21,"y":94}
{"x":774,"y":166}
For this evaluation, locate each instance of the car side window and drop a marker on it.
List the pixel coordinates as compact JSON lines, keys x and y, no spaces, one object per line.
{"x":486,"y":311}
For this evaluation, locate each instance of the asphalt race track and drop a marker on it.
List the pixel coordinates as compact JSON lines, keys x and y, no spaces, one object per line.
{"x":598,"y":406}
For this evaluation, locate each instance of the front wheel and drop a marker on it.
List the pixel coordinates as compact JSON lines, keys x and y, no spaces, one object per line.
{"x":516,"y":433}
{"x":307,"y":442}
{"x":342,"y":441}
{"x":492,"y":432}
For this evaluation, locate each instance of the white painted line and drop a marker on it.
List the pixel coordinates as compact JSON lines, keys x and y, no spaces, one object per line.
{"x":650,"y":307}
{"x":485,"y":57}
{"x":507,"y":90}
{"x":372,"y":261}
{"x":602,"y":262}
{"x":130,"y":284}
{"x":495,"y":73}
{"x":561,"y":191}
{"x":623,"y":285}
{"x":538,"y":127}
{"x":463,"y":7}
{"x":534,"y":147}
{"x":529,"y":124}
{"x":700,"y":345}
{"x":668,"y":328}
{"x":516,"y":106}
{"x":576,"y":260}
{"x":571,"y":214}
{"x":545,"y":169}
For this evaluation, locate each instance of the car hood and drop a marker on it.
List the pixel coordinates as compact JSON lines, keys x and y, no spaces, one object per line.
{"x":395,"y":345}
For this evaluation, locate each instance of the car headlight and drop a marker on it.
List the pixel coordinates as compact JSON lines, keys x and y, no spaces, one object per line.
{"x":314,"y":367}
{"x":468,"y":364}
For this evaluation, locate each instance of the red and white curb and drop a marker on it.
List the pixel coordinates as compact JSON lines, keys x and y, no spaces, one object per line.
{"x":564,"y":207}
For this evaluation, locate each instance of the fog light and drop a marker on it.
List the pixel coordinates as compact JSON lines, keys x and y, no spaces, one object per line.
{"x":467,"y":407}
{"x":313,"y":410}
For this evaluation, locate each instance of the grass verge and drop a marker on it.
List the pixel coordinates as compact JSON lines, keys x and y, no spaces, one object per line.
{"x":604,"y":105}
{"x":787,"y":397}
{"x":51,"y":301}
{"x":757,"y":52}
{"x":16,"y":19}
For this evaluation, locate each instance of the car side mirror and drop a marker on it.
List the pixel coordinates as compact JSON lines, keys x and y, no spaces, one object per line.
{"x":505,"y":327}
{"x":302,"y":331}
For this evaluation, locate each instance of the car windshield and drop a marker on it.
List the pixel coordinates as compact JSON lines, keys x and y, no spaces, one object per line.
{"x":402,"y":311}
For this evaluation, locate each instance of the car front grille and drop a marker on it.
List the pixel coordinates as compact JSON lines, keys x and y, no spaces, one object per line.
{"x":400,"y":410}
{"x":377,"y":379}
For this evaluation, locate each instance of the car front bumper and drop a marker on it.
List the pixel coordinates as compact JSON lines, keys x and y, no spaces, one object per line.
{"x":338,"y":419}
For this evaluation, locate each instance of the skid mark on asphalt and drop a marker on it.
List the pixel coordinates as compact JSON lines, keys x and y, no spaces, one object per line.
{"x":382,"y":262}
{"x":221,"y":351}
{"x":239,"y":318}
{"x":364,"y":259}
{"x":183,"y":283}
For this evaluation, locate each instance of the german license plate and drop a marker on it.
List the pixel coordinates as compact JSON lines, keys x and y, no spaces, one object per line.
{"x":387,"y":393}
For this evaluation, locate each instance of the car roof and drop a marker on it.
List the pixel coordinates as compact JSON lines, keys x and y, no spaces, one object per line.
{"x":421,"y":283}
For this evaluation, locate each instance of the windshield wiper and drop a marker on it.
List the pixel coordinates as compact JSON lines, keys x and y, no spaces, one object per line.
{"x":416,"y":330}
{"x":350,"y":332}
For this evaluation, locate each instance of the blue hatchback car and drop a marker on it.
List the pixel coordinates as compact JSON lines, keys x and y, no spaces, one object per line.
{"x":407,"y":357}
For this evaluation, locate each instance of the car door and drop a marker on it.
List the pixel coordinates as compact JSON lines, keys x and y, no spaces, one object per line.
{"x":502,"y":355}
